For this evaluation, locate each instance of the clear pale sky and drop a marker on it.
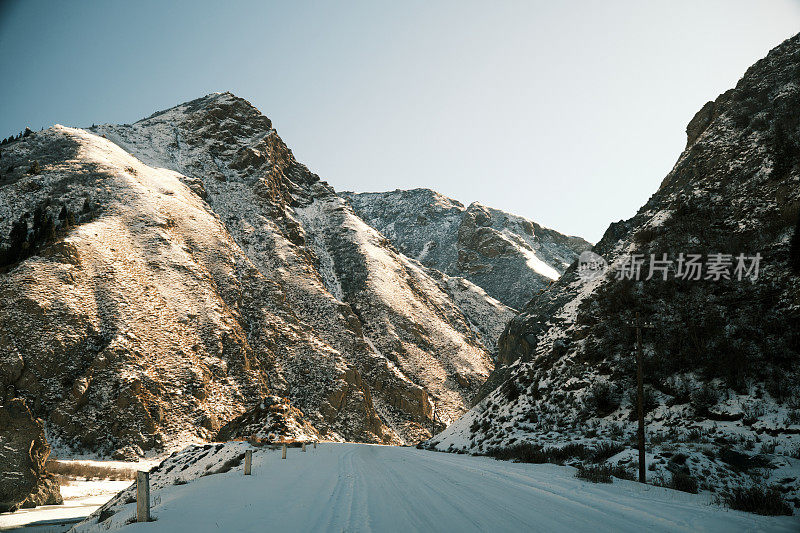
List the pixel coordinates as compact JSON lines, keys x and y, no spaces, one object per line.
{"x":568,"y":113}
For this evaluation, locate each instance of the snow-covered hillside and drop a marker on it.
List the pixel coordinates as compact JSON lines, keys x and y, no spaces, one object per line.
{"x":402,"y":334}
{"x":510,"y":257}
{"x":722,"y":360}
{"x":358,"y":487}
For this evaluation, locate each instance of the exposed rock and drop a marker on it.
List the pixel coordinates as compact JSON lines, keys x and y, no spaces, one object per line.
{"x":271,"y":420}
{"x":699,"y":123}
{"x":23,"y":453}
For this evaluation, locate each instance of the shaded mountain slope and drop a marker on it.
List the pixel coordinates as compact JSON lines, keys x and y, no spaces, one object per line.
{"x":722,"y":362}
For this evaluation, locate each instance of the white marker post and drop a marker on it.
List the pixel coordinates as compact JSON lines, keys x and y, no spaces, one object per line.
{"x":142,"y":496}
{"x":284,"y":451}
{"x":248,"y":461}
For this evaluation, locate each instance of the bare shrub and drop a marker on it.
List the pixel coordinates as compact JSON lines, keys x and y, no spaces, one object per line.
{"x":595,"y":473}
{"x":605,"y":450}
{"x":759,"y":500}
{"x":73,"y":470}
{"x":683,"y":482}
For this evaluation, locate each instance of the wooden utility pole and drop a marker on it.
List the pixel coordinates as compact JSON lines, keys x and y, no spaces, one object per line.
{"x":638,"y":324}
{"x":142,"y":496}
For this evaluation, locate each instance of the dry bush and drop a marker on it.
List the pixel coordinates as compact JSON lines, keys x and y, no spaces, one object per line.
{"x":595,"y":473}
{"x":759,"y":500}
{"x":72,"y":470}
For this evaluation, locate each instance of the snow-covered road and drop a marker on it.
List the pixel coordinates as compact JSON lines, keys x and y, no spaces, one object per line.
{"x":358,"y":487}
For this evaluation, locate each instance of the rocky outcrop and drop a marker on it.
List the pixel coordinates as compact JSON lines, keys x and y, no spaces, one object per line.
{"x":509,"y":257}
{"x":270,"y":420}
{"x":699,"y":123}
{"x":23,"y":454}
{"x":722,"y":363}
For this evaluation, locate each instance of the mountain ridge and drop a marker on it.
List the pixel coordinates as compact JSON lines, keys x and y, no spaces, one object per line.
{"x":510,"y":257}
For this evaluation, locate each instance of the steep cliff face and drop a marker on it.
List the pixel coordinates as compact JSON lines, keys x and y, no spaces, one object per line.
{"x":161,"y":278}
{"x":23,"y":453}
{"x":722,"y":361}
{"x":510,"y":257}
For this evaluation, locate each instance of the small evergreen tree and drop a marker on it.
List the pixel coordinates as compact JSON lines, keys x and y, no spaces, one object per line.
{"x":34,"y":168}
{"x":37,"y":234}
{"x":16,"y":243}
{"x":38,"y":218}
{"x":48,"y":230}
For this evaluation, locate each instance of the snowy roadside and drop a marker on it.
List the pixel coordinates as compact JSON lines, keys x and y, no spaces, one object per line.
{"x":360,"y":487}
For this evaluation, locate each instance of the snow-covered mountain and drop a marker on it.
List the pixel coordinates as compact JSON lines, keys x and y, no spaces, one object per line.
{"x":722,"y":363}
{"x":508,"y":256}
{"x":159,"y":280}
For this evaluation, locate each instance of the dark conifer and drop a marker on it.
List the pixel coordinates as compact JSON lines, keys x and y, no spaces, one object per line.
{"x":48,"y":230}
{"x":16,"y":243}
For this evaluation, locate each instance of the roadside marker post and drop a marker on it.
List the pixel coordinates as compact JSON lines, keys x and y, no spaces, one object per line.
{"x":248,"y":462}
{"x":142,"y":496}
{"x":284,"y":451}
